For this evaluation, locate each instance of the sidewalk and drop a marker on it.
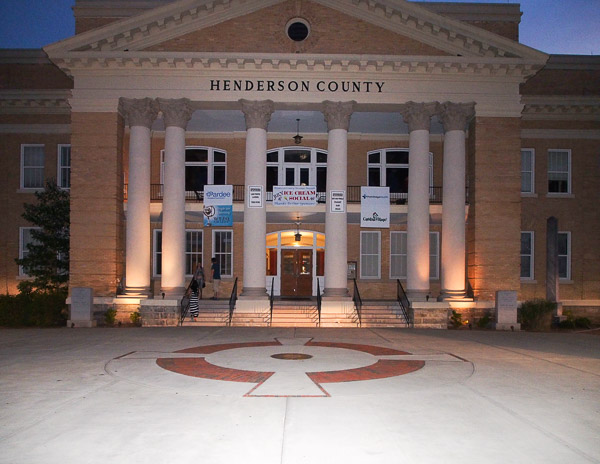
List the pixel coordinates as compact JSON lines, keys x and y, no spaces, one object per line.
{"x":270,"y":396}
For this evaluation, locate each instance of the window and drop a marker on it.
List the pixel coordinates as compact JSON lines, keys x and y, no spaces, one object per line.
{"x":370,"y":255}
{"x":64,"y":166}
{"x":399,"y":260}
{"x":527,"y":255}
{"x":25,"y":239}
{"x":564,"y":255}
{"x":297,"y":166}
{"x":203,"y":166}
{"x":559,"y":171}
{"x":193,"y":251}
{"x":389,"y":168}
{"x":223,"y":251}
{"x":32,"y":166}
{"x":527,"y":170}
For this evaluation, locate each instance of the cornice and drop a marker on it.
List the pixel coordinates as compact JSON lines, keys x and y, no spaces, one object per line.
{"x":35,"y":101}
{"x":126,"y":61}
{"x":561,"y":107}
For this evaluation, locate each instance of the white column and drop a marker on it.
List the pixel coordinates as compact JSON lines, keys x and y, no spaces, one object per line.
{"x":337,"y":115}
{"x":454,"y":117}
{"x":418,"y":117}
{"x":176,"y":114}
{"x":258,"y":115}
{"x":140,"y":114}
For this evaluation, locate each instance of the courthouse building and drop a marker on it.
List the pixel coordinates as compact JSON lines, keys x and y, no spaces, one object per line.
{"x":307,"y":145}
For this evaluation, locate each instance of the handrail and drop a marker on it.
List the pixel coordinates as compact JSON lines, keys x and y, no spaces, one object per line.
{"x":184,"y":304}
{"x":319,"y":299}
{"x":232,"y":300}
{"x":271,"y":300}
{"x":404,"y":303}
{"x":357,"y":302}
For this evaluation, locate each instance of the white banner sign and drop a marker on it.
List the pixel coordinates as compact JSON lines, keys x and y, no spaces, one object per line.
{"x":218,"y":195}
{"x":337,"y":201}
{"x":375,"y":207}
{"x":255,"y":196}
{"x":294,"y":195}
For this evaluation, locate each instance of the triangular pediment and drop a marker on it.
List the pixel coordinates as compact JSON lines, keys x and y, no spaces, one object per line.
{"x":366,"y":27}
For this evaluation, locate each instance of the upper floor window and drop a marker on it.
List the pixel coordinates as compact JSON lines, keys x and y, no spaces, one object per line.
{"x":64,"y":166}
{"x":32,"y":166}
{"x":203,"y":166}
{"x":297,"y":166}
{"x":389,"y":168}
{"x":559,"y":171}
{"x":527,"y":170}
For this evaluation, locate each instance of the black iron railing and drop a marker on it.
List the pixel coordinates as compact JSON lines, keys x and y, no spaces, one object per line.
{"x":357,"y":302}
{"x":404,"y":303}
{"x":271,"y":300}
{"x":232,"y":300}
{"x":319,"y":300}
{"x":184,"y":304}
{"x":352,"y":195}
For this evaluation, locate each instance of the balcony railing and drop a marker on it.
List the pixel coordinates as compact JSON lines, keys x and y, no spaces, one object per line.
{"x":353,"y":195}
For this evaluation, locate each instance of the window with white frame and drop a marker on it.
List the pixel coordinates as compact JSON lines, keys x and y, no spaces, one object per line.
{"x":564,"y":255}
{"x":297,"y":166}
{"x":64,"y":167}
{"x":370,"y":254}
{"x":527,"y":170}
{"x":399,"y":260}
{"x":32,"y":166}
{"x":193,"y":250}
{"x":25,"y":238}
{"x":527,"y":255}
{"x":389,"y":168}
{"x":559,"y":171}
{"x":203,"y":166}
{"x":222,"y":245}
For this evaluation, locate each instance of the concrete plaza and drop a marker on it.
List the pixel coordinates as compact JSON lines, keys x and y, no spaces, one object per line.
{"x":270,"y":396}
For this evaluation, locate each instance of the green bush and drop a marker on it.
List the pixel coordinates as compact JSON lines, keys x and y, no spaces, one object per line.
{"x":136,"y":318}
{"x":34,"y":309}
{"x":572,"y":322}
{"x":110,"y":316}
{"x":456,"y":319}
{"x":484,"y":321}
{"x":536,"y":315}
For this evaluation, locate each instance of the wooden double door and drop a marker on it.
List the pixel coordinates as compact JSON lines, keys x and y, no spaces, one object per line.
{"x":296,"y":272}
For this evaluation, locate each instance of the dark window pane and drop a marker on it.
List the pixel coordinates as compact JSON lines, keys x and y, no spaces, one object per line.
{"x":525,"y":266}
{"x":396,"y":157}
{"x":289,"y":176}
{"x":321,"y":157}
{"x":397,"y":180}
{"x":558,"y":186}
{"x":374,"y":177}
{"x":525,"y":244}
{"x":196,"y":155}
{"x":304,"y":176}
{"x":219,"y":175}
{"x":375,"y":158}
{"x":196,"y":178}
{"x":297,"y":156}
{"x":321,"y":179}
{"x":562,"y":267}
{"x":563,"y":244}
{"x":219,"y":157}
{"x":272,"y":156}
{"x":272,"y":177}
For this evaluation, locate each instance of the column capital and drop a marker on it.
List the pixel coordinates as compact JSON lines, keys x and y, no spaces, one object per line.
{"x":176,"y":112}
{"x":139,"y":111}
{"x":257,"y":113}
{"x":337,"y":114}
{"x":455,"y":116}
{"x":418,"y":115}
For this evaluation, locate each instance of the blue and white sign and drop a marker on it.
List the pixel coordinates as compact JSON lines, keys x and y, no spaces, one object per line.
{"x":218,"y":205}
{"x":375,"y":207}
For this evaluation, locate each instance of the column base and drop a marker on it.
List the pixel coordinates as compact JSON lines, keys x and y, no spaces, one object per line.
{"x":336,"y":293}
{"x":137,"y":292}
{"x":449,"y":295}
{"x":171,"y":293}
{"x":417,"y":295}
{"x":254,"y":292}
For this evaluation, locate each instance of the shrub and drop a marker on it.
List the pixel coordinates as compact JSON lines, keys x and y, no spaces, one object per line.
{"x":456,"y":319}
{"x":110,"y":316}
{"x":136,"y":318}
{"x":536,"y":315}
{"x":34,"y":309}
{"x":572,"y":322}
{"x":484,"y":321}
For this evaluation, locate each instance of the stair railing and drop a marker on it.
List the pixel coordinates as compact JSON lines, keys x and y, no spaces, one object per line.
{"x":184,"y":304}
{"x":357,"y":302}
{"x":232,"y":300}
{"x":319,"y":300}
{"x":404,"y":303}
{"x":271,"y":300}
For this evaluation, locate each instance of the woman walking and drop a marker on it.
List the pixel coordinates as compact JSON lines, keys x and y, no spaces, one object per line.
{"x":194,"y":304}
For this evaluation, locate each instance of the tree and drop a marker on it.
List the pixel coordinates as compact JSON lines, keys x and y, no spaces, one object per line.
{"x":47,"y":260}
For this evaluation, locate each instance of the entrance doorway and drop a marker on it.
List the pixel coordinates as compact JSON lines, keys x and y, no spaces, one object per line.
{"x":296,"y":273}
